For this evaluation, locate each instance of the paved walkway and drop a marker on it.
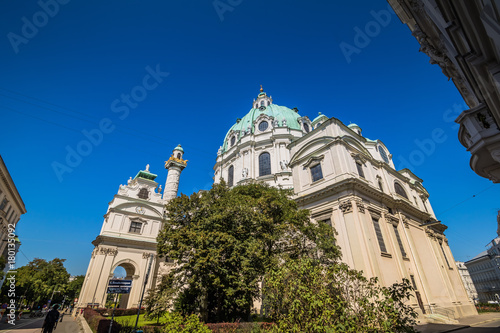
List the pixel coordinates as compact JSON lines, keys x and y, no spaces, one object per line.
{"x":481,"y":318}
{"x":34,"y":325}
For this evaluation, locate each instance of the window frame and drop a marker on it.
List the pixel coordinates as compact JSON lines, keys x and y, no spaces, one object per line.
{"x":230,"y":176}
{"x":307,"y":129}
{"x":378,"y":233}
{"x":267,"y":167}
{"x":134,"y":225}
{"x":401,"y":192}
{"x":143,"y":190}
{"x":399,"y":241}
{"x":359,"y":167}
{"x":315,"y":167}
{"x":262,"y":123}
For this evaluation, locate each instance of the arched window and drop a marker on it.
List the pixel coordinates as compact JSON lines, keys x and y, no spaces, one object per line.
{"x":306,"y":128}
{"x":233,"y":140}
{"x":383,"y":154}
{"x":143,"y":193}
{"x":262,"y":103}
{"x":230,"y":176}
{"x":264,"y":164}
{"x":400,"y":190}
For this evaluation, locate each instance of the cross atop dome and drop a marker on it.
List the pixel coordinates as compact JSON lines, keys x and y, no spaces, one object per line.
{"x":262,"y":99}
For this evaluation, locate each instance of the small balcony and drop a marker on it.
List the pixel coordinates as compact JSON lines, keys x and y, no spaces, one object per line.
{"x":480,"y":134}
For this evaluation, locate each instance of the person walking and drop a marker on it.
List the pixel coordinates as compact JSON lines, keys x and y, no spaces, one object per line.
{"x":51,"y":319}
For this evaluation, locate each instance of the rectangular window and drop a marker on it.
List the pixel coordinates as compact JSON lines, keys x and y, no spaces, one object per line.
{"x":316,"y":173}
{"x":380,"y":238}
{"x":400,"y":243}
{"x":10,"y":215}
{"x":135,"y":227}
{"x":425,"y":207}
{"x":412,"y":278}
{"x":444,"y":254}
{"x":328,"y":222}
{"x":361,"y":173}
{"x":3,"y":204}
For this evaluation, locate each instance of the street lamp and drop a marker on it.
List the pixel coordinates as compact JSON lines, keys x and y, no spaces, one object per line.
{"x":52,"y":296}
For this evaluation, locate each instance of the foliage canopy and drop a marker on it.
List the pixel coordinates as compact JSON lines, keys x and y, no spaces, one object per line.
{"x":306,"y":296}
{"x":40,"y":279}
{"x":224,"y":240}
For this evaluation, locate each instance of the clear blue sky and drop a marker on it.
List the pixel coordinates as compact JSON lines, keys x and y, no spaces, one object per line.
{"x":68,"y":74}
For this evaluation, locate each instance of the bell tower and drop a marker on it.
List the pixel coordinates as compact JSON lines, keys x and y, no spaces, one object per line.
{"x":174,"y":165}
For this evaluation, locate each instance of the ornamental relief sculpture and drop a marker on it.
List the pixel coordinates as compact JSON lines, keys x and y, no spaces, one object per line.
{"x":346,"y":206}
{"x":360,"y":205}
{"x":107,"y":251}
{"x":145,"y":255}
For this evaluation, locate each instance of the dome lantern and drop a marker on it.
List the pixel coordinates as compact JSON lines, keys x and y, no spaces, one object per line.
{"x":262,"y":100}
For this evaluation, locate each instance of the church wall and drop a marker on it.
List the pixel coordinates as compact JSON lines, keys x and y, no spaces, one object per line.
{"x":354,"y":200}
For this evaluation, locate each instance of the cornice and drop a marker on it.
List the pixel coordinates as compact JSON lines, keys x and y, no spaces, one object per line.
{"x":109,"y":240}
{"x":355,"y":186}
{"x":132,"y":214}
{"x":136,"y":201}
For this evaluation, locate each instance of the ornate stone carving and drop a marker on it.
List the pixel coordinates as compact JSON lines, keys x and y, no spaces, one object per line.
{"x":146,"y":255}
{"x":284,"y":164}
{"x":437,"y":57}
{"x":360,"y":205}
{"x":106,"y":251}
{"x":346,"y":206}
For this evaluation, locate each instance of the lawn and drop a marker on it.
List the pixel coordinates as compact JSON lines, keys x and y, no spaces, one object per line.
{"x":130,"y":320}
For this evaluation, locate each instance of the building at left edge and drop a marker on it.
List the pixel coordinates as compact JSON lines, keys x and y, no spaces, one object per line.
{"x":11,"y":209}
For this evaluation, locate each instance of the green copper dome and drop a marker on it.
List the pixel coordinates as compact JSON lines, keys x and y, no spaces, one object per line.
{"x":286,"y":117}
{"x":320,"y":118}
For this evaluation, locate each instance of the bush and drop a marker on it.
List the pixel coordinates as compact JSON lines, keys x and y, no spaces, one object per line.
{"x":118,"y":311}
{"x":487,"y":307}
{"x":98,"y":323}
{"x":152,"y":329}
{"x":306,"y":296}
{"x":239,"y":327}
{"x":175,"y":323}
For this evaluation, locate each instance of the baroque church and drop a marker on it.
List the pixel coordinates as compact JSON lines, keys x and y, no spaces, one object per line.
{"x":385,"y":223}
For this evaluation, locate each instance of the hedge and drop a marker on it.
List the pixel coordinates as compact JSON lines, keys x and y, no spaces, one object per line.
{"x":118,"y":311}
{"x":98,"y":323}
{"x":152,"y":329}
{"x":239,"y":327}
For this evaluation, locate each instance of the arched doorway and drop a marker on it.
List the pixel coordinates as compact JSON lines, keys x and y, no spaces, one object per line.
{"x":125,"y":271}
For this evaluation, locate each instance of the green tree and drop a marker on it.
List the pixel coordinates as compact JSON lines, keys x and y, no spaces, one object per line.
{"x":224,"y":240}
{"x":307,"y":296}
{"x":39,"y":280}
{"x":72,"y":289}
{"x":159,"y":301}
